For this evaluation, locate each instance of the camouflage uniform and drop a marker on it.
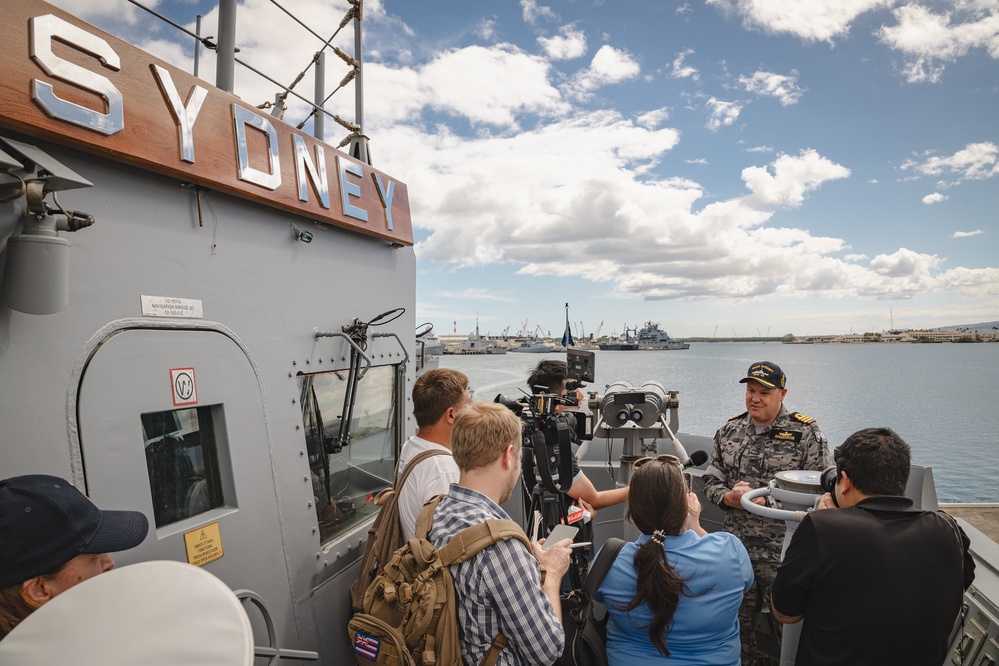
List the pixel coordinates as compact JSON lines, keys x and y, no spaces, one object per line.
{"x":792,"y":441}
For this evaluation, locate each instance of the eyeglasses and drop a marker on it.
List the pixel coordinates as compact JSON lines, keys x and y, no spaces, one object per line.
{"x":662,"y":457}
{"x":668,"y":459}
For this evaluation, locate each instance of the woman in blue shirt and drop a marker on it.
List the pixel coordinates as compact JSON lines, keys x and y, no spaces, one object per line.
{"x":673,"y":595}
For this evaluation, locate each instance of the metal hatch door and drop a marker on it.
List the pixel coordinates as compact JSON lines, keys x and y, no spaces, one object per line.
{"x":172,"y":424}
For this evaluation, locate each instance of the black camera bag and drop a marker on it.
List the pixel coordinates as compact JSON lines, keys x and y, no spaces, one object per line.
{"x":584,"y":633}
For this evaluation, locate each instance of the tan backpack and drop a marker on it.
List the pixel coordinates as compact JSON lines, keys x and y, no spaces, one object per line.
{"x":385,"y":534}
{"x":410,"y":615}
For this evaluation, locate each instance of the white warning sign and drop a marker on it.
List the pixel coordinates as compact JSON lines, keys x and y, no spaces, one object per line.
{"x":185,"y":390}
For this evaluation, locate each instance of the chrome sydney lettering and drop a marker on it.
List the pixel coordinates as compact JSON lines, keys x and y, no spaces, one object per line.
{"x":310,"y":169}
{"x":43,"y":30}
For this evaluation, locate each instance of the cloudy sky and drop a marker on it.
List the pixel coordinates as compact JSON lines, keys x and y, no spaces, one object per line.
{"x":714,"y":165}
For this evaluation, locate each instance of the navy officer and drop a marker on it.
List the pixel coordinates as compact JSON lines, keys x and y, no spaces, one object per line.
{"x":748,"y":451}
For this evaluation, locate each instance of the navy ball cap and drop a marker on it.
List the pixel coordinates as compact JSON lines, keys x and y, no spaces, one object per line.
{"x":45,"y":522}
{"x":766,"y":373}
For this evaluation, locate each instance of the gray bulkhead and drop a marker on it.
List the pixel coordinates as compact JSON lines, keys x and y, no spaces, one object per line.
{"x":74,"y":385}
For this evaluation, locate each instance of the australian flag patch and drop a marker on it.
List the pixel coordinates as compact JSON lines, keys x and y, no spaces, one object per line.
{"x":366,"y":646}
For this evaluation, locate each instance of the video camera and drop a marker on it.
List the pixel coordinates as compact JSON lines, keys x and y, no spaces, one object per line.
{"x":548,"y":464}
{"x":550,"y":432}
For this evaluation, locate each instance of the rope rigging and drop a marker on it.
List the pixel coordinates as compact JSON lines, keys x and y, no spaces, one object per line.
{"x":354,"y":13}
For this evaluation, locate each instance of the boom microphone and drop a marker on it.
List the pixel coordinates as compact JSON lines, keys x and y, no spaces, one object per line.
{"x":696,"y":458}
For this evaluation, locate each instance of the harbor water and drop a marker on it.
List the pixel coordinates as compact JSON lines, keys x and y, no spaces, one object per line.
{"x":940,"y":398}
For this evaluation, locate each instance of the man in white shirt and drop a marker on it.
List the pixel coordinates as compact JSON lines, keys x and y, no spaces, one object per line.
{"x":437,"y":397}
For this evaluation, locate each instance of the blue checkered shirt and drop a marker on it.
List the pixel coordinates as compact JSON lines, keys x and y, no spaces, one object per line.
{"x":497,"y":590}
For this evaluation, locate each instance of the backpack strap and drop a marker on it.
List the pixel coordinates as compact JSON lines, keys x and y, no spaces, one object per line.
{"x":492,"y":656}
{"x":426,"y":517}
{"x":412,"y":465}
{"x":601,"y":566}
{"x":469,"y":542}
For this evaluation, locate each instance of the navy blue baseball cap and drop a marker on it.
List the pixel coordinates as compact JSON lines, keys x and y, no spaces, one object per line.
{"x":45,"y":522}
{"x":766,"y":373}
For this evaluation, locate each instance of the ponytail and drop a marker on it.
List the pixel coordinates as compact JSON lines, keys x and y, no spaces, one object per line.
{"x":659,"y":586}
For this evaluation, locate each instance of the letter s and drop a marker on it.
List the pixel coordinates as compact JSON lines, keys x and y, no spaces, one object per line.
{"x":43,"y":30}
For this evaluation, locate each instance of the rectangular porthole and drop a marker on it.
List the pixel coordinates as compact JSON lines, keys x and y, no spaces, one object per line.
{"x":182,"y":460}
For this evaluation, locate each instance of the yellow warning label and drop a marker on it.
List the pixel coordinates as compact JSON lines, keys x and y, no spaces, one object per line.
{"x":204,"y":544}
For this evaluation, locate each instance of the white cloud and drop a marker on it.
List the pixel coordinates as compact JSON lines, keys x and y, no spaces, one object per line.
{"x":936,"y":197}
{"x":928,"y":39}
{"x":488,"y":85}
{"x":653,"y":119}
{"x":760,"y":149}
{"x":967,"y":234}
{"x":971,"y":282}
{"x":904,"y":263}
{"x":922,"y":70}
{"x":533,"y":12}
{"x":699,"y":160}
{"x":681,"y":70}
{"x":784,"y":88}
{"x":640,"y":236}
{"x":790,"y":179}
{"x":486,"y":29}
{"x":976,"y":161}
{"x":683,"y":9}
{"x":814,"y":20}
{"x":568,"y":44}
{"x":609,"y":66}
{"x":721,"y":112}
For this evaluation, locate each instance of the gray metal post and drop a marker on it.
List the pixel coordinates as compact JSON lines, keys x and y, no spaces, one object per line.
{"x":197,"y":45}
{"x":359,"y":144}
{"x":226,"y":60}
{"x":319,"y":120}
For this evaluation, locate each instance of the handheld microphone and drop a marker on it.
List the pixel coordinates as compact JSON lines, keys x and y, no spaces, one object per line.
{"x":696,"y":458}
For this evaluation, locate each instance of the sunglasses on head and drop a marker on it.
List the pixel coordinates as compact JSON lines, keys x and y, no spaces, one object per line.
{"x":666,"y":458}
{"x":662,"y":457}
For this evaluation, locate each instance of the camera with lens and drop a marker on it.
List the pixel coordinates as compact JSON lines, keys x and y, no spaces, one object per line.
{"x":549,"y":432}
{"x":829,"y":478}
{"x":548,"y":437}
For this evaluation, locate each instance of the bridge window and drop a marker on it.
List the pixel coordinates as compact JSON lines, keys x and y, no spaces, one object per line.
{"x":182,"y":461}
{"x":349,"y":464}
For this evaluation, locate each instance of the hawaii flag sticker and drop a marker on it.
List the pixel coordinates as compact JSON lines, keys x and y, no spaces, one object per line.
{"x":366,"y":646}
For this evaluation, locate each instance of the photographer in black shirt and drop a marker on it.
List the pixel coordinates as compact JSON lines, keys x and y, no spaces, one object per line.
{"x":875,"y":580}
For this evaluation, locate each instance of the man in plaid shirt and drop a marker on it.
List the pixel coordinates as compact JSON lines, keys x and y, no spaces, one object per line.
{"x":500,"y":589}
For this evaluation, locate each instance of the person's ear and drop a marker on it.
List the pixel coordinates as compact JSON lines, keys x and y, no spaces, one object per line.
{"x":36,"y":591}
{"x":510,"y":457}
{"x":845,"y":483}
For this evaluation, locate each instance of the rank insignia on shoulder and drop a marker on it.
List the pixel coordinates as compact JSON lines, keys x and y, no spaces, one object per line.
{"x":738,"y":416}
{"x":798,"y":416}
{"x":786,"y":436}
